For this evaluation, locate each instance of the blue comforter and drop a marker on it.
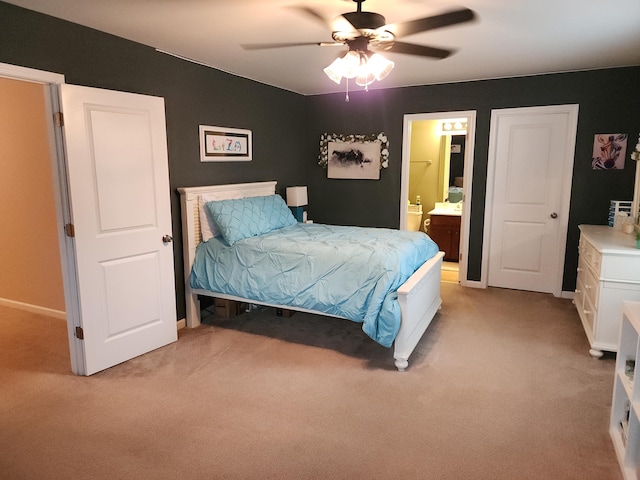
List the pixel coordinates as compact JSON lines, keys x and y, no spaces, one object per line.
{"x":350,"y":272}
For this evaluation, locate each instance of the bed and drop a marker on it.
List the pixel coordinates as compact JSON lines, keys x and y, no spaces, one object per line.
{"x":418,"y":298}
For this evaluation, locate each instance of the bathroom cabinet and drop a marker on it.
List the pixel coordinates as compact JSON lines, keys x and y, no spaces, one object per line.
{"x":445,"y":231}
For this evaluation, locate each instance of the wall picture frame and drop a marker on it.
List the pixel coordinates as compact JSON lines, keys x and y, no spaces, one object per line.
{"x":609,"y":151}
{"x":354,"y":156}
{"x":224,"y":144}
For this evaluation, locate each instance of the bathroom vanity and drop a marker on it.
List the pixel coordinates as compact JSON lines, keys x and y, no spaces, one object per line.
{"x":444,"y":229}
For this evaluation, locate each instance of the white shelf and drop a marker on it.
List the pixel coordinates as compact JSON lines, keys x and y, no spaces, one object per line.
{"x":624,"y":426}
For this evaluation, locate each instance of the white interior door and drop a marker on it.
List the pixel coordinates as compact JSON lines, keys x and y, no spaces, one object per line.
{"x":530,"y":161}
{"x":118,"y":184}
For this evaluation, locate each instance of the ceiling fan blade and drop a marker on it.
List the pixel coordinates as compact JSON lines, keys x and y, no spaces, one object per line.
{"x":265,"y":46}
{"x":311,"y":13}
{"x":420,"y":50}
{"x":403,"y":29}
{"x":342,"y":24}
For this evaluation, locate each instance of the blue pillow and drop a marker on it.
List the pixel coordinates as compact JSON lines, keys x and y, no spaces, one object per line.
{"x":247,"y":217}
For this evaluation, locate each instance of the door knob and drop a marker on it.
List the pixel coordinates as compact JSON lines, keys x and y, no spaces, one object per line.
{"x":167,"y":239}
{"x":554,"y":215}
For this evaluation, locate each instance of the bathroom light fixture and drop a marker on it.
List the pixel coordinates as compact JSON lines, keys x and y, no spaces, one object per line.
{"x":296,"y":200}
{"x":453,"y":127}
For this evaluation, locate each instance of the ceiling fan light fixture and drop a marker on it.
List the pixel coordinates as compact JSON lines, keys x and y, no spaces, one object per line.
{"x":334,"y":71}
{"x":365,"y":67}
{"x":351,"y":64}
{"x":365,"y":78}
{"x":380,"y":66}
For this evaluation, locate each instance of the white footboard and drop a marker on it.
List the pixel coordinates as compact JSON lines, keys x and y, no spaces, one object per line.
{"x":420,"y":300}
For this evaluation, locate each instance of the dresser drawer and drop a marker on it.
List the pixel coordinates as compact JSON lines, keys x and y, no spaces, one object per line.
{"x":591,"y":256}
{"x":591,"y":287}
{"x":625,"y":268}
{"x":589,"y":313}
{"x":578,"y":297}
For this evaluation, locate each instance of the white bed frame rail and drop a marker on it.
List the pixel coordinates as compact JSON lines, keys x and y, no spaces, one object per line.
{"x":419,"y":296}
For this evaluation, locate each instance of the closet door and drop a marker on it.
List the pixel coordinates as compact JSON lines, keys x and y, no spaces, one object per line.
{"x":530,"y":165}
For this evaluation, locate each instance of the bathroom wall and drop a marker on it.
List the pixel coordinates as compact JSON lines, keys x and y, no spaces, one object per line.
{"x":424,"y":168}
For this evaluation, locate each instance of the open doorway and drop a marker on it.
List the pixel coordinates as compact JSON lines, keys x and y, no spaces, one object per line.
{"x":30,"y":257}
{"x":437,"y":165}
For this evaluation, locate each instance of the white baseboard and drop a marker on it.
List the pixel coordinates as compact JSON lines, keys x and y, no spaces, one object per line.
{"x":566,"y":294}
{"x":49,"y":312}
{"x":182,"y":323}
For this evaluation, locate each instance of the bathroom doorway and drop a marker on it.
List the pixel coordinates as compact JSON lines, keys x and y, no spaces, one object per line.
{"x":437,"y":161}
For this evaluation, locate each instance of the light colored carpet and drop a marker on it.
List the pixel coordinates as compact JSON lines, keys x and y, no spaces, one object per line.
{"x":501,"y":387}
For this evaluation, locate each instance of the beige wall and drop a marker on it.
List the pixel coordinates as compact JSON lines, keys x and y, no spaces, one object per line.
{"x":29,"y":251}
{"x":424,"y":163}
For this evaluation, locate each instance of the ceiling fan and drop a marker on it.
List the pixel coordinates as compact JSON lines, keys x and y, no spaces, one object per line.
{"x":365,"y":34}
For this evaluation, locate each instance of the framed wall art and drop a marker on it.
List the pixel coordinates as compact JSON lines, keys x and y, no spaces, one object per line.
{"x":222,"y":144}
{"x":609,"y":151}
{"x":354,"y":156}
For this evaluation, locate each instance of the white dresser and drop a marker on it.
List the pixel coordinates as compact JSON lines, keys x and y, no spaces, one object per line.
{"x":608,"y":274}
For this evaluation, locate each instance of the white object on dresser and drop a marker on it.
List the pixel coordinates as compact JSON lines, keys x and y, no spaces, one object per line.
{"x":625,"y":406}
{"x":608,"y":274}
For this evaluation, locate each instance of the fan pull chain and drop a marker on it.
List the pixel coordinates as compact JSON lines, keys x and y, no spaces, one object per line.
{"x":346,"y":99}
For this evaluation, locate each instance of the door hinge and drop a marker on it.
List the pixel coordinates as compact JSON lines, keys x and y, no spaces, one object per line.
{"x":70,"y":230}
{"x":59,"y":119}
{"x":79,"y":333}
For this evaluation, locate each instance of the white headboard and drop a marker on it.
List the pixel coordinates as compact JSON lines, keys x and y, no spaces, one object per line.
{"x":191,"y":236}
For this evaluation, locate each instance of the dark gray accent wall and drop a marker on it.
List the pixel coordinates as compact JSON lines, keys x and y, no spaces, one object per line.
{"x":287,"y":126}
{"x":193,"y":95}
{"x":609,"y":103}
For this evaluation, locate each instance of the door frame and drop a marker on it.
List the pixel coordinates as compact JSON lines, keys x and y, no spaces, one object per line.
{"x":467,"y":196}
{"x":51,"y":82}
{"x":565,"y":194}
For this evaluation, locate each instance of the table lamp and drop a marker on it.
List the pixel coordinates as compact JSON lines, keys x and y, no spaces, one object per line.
{"x":296,"y":200}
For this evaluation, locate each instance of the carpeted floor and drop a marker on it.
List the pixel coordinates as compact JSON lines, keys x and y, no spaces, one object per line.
{"x":501,"y":387}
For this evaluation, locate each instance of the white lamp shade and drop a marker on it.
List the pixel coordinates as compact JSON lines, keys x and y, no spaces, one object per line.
{"x":380,"y":66}
{"x":350,"y":64}
{"x":334,"y":71}
{"x":297,"y":196}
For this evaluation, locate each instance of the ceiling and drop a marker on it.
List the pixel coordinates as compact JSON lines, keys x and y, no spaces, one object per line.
{"x":508,"y":38}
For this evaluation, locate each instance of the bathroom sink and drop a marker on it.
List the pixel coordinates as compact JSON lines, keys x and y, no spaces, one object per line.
{"x":447,"y":208}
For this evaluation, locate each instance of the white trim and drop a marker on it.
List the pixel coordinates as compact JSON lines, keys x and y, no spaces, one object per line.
{"x":567,"y":295}
{"x":467,"y":182}
{"x":29,"y":74}
{"x":182,"y":323}
{"x":28,"y":307}
{"x":565,"y":195}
